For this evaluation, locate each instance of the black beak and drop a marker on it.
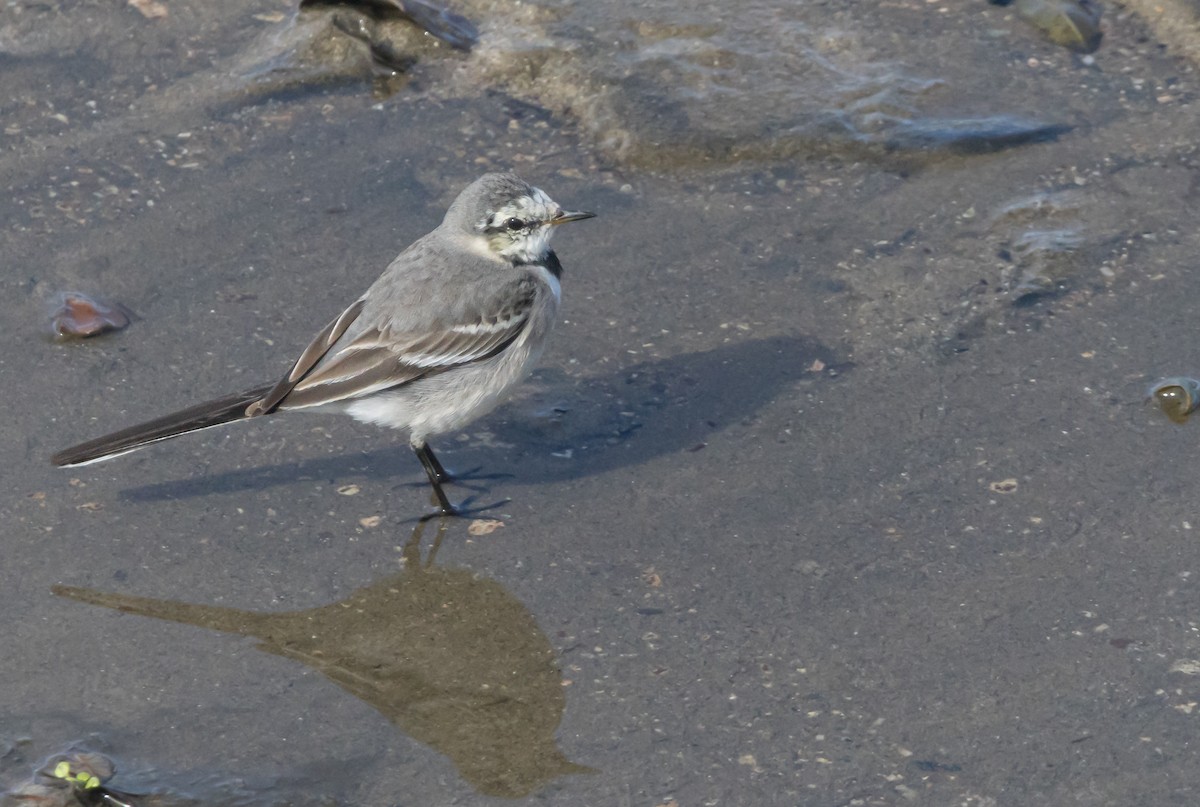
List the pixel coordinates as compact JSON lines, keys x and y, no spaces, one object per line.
{"x":563,"y":216}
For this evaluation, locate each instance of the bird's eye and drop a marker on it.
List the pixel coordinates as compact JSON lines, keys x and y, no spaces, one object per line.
{"x":514,"y":224}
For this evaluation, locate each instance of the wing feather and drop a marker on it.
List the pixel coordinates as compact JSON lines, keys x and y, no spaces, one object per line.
{"x":312,"y":354}
{"x":380,"y":358}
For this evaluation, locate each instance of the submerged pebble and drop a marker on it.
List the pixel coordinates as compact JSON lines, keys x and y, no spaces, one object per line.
{"x":1047,"y":261}
{"x":971,"y":135}
{"x":438,"y":21}
{"x":75,"y":778}
{"x":1177,"y":396}
{"x":1074,"y":24}
{"x":333,"y":41}
{"x":80,"y":316}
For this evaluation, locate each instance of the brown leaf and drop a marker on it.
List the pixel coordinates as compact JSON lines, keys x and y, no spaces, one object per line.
{"x":150,"y":9}
{"x":484,"y":526}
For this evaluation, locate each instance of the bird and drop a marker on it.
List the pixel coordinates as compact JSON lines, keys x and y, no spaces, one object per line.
{"x":453,"y":324}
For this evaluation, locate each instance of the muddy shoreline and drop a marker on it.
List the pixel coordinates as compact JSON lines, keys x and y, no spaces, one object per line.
{"x":836,"y":484}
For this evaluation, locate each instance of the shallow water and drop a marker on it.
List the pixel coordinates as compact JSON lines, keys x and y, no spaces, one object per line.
{"x":837,"y":484}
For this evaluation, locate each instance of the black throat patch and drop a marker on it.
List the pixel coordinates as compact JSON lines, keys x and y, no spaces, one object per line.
{"x":551,"y":262}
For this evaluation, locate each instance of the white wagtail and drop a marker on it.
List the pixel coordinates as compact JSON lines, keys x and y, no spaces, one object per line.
{"x":451,"y":325}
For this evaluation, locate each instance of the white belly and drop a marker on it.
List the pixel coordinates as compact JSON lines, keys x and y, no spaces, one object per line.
{"x":448,"y":401}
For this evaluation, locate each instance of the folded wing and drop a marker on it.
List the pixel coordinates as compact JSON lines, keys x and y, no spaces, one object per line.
{"x":381,"y":357}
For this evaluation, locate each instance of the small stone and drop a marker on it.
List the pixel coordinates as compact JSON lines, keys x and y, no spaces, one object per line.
{"x":80,"y":316}
{"x":484,"y":526}
{"x":150,"y":9}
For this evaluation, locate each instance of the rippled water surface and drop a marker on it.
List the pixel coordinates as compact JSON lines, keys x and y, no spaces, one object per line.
{"x":837,"y":484}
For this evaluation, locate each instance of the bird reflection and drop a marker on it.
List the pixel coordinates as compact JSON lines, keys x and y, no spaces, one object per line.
{"x":452,"y":659}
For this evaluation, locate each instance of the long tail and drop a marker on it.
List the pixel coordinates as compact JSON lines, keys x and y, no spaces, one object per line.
{"x":201,"y":416}
{"x":230,"y":620}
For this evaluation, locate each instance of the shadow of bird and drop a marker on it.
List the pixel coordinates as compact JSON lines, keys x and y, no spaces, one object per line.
{"x":450,"y":658}
{"x":567,"y":427}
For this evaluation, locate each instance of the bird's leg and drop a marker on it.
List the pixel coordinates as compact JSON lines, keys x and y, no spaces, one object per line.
{"x":433,"y":466}
{"x":445,"y":476}
{"x":438,"y":475}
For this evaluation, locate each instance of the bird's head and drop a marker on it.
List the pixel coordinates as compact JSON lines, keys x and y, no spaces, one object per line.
{"x":508,"y":217}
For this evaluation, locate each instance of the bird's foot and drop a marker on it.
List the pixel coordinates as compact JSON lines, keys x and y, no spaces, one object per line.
{"x":463,"y":479}
{"x":464,"y":509}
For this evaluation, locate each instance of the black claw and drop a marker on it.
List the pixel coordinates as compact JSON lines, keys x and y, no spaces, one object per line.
{"x":463,"y":509}
{"x":438,"y":476}
{"x":466,"y":479}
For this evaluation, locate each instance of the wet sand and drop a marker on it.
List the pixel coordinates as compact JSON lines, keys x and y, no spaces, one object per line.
{"x":835,"y":486}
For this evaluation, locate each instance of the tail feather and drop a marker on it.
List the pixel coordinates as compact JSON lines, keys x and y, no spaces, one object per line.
{"x":230,"y":620}
{"x":201,"y":416}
